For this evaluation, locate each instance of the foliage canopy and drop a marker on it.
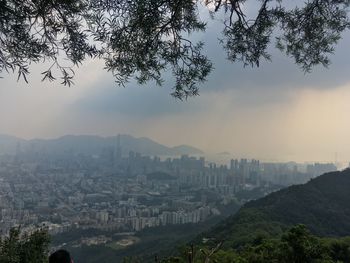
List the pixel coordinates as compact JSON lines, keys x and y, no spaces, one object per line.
{"x":144,"y":38}
{"x":297,"y":245}
{"x":19,"y":247}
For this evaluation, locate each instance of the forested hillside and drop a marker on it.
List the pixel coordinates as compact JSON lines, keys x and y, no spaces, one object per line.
{"x":323,"y":205}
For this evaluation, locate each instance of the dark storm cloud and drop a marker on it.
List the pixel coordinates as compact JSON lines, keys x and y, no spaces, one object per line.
{"x":134,"y":101}
{"x":272,"y":82}
{"x":278,"y":74}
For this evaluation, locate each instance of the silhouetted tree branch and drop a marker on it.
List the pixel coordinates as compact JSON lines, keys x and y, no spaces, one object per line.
{"x":143,"y":39}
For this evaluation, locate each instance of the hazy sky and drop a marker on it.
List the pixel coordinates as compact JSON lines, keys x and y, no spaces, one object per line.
{"x":274,"y":112}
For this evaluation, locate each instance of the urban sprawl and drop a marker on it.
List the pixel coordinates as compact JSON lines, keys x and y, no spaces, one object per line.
{"x":117,"y":192}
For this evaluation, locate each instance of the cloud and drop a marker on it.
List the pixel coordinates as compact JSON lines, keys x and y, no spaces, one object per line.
{"x":271,"y":112}
{"x":280,"y":73}
{"x":133,"y":100}
{"x":273,"y":83}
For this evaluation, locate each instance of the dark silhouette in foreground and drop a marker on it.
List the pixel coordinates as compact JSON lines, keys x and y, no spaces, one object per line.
{"x":60,"y":256}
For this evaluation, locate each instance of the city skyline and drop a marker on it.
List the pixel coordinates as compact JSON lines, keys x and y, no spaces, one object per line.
{"x":12,"y":145}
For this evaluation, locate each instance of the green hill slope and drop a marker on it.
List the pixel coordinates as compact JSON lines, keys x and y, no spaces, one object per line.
{"x":323,"y":205}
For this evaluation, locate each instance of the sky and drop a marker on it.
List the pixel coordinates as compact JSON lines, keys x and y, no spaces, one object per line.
{"x":273,"y":113}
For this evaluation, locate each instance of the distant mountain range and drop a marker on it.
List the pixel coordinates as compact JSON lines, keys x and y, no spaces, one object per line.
{"x":322,"y":204}
{"x":89,"y":144}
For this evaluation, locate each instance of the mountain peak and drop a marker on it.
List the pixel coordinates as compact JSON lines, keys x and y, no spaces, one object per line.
{"x":93,"y":144}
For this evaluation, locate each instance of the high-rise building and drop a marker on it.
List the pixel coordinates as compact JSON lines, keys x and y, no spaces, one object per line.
{"x":117,"y":151}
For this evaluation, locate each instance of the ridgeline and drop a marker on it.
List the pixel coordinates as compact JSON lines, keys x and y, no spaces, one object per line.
{"x":322,"y":205}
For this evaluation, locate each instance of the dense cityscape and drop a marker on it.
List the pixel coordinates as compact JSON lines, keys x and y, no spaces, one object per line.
{"x":121,"y":192}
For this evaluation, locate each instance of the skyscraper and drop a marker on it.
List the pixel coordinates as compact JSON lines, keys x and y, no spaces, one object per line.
{"x":117,"y":151}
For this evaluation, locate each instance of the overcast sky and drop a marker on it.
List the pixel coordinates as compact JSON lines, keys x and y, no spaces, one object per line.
{"x":275,"y":112}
